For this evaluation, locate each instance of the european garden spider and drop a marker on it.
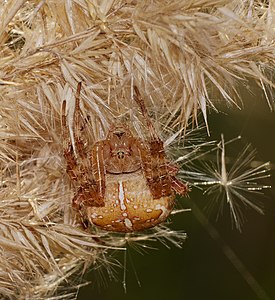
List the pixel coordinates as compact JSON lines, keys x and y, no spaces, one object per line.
{"x":122,"y":184}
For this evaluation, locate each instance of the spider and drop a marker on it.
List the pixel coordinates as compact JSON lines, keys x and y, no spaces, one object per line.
{"x":122,"y":184}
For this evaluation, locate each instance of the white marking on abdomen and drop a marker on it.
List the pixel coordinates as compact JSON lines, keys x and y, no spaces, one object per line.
{"x":164,"y":210}
{"x":94,"y":215}
{"x":128,"y":223}
{"x":121,"y":196}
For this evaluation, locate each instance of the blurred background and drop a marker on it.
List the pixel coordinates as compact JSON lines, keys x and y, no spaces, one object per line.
{"x":215,"y":262}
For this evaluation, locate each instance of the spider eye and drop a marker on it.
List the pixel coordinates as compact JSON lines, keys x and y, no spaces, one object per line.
{"x":120,"y":154}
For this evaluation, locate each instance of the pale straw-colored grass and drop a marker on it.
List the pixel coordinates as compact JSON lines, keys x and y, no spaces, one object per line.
{"x":179,"y":53}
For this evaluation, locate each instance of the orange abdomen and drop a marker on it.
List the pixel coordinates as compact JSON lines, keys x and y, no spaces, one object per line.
{"x":129,"y":205}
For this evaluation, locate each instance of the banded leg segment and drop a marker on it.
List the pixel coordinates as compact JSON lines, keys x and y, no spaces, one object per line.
{"x":80,"y":169}
{"x":68,"y":152}
{"x":93,"y":188}
{"x":79,"y":143}
{"x":73,"y":169}
{"x":155,"y":171}
{"x":177,"y":185}
{"x":154,"y":159}
{"x":99,"y":172}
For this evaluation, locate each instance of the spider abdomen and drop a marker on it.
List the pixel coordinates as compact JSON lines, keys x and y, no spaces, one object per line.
{"x":129,"y":205}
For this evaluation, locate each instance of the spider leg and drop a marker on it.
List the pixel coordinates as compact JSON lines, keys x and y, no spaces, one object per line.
{"x":155,"y":170}
{"x":141,"y":104}
{"x":79,"y":143}
{"x":89,"y":192}
{"x":72,"y":167}
{"x":177,"y":185}
{"x":99,"y":172}
{"x":93,"y":188}
{"x":68,"y":152}
{"x":153,"y":158}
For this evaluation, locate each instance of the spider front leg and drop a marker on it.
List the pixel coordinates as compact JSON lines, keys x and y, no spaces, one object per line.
{"x":177,"y":185}
{"x":153,"y":157}
{"x":92,"y":190}
{"x":72,"y":168}
{"x":68,"y":152}
{"x":86,"y":174}
{"x":160,"y":174}
{"x":155,"y":169}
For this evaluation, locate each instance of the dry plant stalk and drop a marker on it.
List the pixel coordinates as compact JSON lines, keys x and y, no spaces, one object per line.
{"x":177,"y":52}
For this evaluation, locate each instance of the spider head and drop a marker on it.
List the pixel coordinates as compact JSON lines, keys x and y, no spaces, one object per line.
{"x":121,"y":154}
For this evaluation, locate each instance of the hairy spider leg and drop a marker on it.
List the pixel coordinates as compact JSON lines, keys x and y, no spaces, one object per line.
{"x":79,"y":169}
{"x":177,"y":185}
{"x":72,"y":168}
{"x":159,"y":165}
{"x":79,"y":143}
{"x":93,"y":188}
{"x":154,"y":159}
{"x":99,"y":171}
{"x":144,"y":111}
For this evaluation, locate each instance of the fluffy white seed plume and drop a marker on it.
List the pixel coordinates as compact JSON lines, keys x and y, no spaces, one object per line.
{"x":234,"y":184}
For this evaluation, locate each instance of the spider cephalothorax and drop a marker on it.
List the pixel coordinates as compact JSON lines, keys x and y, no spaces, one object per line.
{"x":123,"y":184}
{"x":121,"y":151}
